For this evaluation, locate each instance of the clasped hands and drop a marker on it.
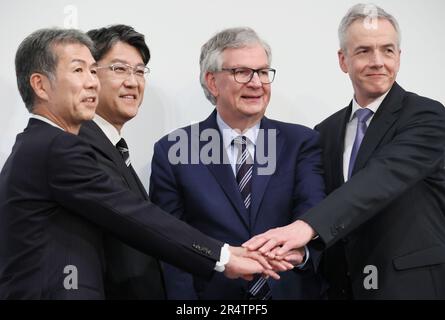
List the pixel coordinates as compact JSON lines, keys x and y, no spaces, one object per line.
{"x":277,"y":250}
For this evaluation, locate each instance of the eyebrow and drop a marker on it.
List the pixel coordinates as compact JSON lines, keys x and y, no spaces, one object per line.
{"x":125,"y":62}
{"x":83,"y":62}
{"x":389,"y":45}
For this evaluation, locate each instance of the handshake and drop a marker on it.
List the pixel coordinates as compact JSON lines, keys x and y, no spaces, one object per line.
{"x":276,"y":250}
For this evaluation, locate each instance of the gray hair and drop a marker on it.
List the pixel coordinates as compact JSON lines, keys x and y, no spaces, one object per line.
{"x":36,"y":55}
{"x":363,"y":11}
{"x":211,"y":52}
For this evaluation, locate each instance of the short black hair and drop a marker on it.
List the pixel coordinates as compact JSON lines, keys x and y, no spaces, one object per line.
{"x":105,"y":38}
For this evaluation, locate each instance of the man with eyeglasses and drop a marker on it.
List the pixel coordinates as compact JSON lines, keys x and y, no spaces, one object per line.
{"x":122,"y":55}
{"x":231,"y":198}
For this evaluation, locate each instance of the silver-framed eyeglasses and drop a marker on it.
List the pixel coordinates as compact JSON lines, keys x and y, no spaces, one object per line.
{"x":245,"y":75}
{"x":123,"y":70}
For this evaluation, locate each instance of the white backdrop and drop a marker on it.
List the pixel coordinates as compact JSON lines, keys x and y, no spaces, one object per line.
{"x":303,"y":35}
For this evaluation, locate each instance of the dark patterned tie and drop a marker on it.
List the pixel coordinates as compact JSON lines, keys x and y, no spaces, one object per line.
{"x":258,"y":289}
{"x":244,"y":167}
{"x":362,"y":116}
{"x":123,"y":149}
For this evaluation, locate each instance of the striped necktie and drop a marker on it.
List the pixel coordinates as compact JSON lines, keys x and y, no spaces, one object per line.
{"x":123,"y":150}
{"x":258,"y":289}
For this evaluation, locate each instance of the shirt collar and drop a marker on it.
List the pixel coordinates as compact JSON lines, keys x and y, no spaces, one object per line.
{"x":373,"y":106}
{"x":229,"y":134}
{"x":109,"y":130}
{"x":41,"y":118}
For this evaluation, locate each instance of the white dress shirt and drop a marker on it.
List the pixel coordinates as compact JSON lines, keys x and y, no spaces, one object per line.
{"x":108,"y":129}
{"x":351,"y":129}
{"x":36,"y":116}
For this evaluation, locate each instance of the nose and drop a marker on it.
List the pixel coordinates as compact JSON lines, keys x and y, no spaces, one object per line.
{"x":92,"y":81}
{"x":377,"y":59}
{"x":131,"y":80}
{"x":255,"y":81}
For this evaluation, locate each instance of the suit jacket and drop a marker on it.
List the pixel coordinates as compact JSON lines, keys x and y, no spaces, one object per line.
{"x":55,"y":205}
{"x":207,"y":197}
{"x":130,"y":274}
{"x":391,"y":213}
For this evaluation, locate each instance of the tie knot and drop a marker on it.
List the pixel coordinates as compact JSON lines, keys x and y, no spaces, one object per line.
{"x":240,"y":140}
{"x":363,"y":114}
{"x":122,"y":146}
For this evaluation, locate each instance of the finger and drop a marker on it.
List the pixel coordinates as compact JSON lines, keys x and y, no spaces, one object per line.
{"x":268,"y":246}
{"x":287,"y":246}
{"x":272,"y":274}
{"x":254,"y":243}
{"x":294,"y":258}
{"x":260,"y":259}
{"x":281,"y":265}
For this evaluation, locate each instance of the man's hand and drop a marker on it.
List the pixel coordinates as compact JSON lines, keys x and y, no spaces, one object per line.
{"x":244,"y":264}
{"x":293,"y":236}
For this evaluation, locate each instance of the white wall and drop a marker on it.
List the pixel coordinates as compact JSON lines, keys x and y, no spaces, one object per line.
{"x":303,"y":35}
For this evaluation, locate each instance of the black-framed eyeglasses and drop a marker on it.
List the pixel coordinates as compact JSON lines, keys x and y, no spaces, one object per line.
{"x":245,"y":75}
{"x":123,"y":70}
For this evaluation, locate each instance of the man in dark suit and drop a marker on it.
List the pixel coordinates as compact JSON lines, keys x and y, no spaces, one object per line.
{"x":383,"y":223}
{"x":122,"y":56}
{"x":251,"y":175}
{"x":55,"y":204}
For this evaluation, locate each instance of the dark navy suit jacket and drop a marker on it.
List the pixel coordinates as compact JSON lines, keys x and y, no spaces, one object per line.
{"x":207,"y":197}
{"x":55,"y":204}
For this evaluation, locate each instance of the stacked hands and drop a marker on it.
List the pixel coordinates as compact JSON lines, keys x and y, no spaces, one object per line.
{"x":277,"y":250}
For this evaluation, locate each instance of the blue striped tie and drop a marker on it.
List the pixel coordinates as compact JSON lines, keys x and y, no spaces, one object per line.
{"x":258,"y":289}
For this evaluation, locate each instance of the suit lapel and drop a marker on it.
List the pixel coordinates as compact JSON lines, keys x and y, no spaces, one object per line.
{"x":380,"y":124}
{"x":338,"y":142}
{"x":97,"y":138}
{"x":223,"y":173}
{"x":260,"y":182}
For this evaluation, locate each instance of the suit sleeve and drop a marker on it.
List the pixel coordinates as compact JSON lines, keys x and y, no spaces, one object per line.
{"x":310,"y":188}
{"x":415,"y":151}
{"x":78,"y":185}
{"x":165,"y":193}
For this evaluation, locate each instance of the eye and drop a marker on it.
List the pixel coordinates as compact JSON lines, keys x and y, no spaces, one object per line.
{"x":244,"y":72}
{"x":140,"y":72}
{"x":78,"y":69}
{"x":119,"y":68}
{"x":93,"y":71}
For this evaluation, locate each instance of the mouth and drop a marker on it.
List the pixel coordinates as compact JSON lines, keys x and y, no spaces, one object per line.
{"x":376,"y":75}
{"x":128,"y":97}
{"x":90,"y":99}
{"x":251,"y":97}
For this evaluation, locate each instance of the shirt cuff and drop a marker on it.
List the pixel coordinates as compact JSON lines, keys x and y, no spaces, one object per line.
{"x":224,"y":258}
{"x":306,"y":258}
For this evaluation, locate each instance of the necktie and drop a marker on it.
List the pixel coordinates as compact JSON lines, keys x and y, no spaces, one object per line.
{"x":244,"y":167}
{"x":123,"y":149}
{"x":258,"y":289}
{"x":362,"y":116}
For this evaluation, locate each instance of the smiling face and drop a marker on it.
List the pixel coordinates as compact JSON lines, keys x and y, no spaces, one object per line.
{"x":372,"y":59}
{"x":240,"y":105}
{"x":72,"y":94}
{"x":120,"y":97}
